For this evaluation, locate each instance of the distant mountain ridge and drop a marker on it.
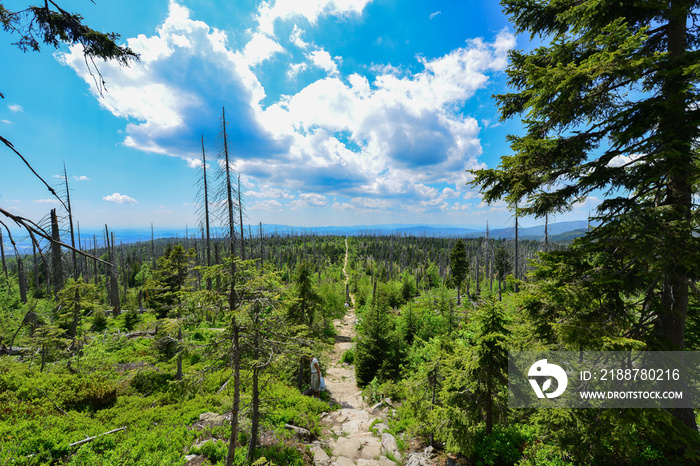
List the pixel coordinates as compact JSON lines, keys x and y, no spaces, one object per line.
{"x":133,"y":235}
{"x":559,"y":231}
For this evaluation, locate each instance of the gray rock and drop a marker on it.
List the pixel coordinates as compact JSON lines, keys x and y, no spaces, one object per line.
{"x":299,"y":431}
{"x":376,"y":407}
{"x":417,"y":459}
{"x":343,"y":461}
{"x":380,"y":428}
{"x":348,"y":447}
{"x":213,"y":419}
{"x":389,"y":445}
{"x":320,"y":456}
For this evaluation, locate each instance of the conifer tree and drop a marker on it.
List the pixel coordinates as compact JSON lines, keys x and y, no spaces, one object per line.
{"x":610,"y":102}
{"x":459,"y":264}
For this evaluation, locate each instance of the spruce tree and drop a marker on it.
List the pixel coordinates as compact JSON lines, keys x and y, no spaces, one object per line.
{"x":459,"y":264}
{"x":609,"y":103}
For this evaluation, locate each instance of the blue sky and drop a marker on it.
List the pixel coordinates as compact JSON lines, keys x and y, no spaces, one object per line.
{"x":341,"y":112}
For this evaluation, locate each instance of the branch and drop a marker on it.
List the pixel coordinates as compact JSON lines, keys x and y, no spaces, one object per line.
{"x":90,"y":439}
{"x":34,"y":229}
{"x":51,"y":190}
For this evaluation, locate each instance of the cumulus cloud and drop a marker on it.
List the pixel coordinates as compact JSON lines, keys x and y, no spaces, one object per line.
{"x":295,"y":69}
{"x":176,"y":92}
{"x":81,"y":178}
{"x":269,"y":205}
{"x":622,"y":160}
{"x":308,"y":199}
{"x":119,"y":199}
{"x":392,"y":133}
{"x":295,"y":37}
{"x":311,"y":10}
{"x":323,"y":60}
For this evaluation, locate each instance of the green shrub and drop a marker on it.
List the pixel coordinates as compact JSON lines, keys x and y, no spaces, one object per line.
{"x":147,"y":382}
{"x":503,"y":447}
{"x":131,"y":318}
{"x":348,"y":357}
{"x":99,"y":321}
{"x":213,"y":450}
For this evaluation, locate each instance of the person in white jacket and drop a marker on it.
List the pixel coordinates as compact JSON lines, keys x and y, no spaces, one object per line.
{"x":315,"y":377}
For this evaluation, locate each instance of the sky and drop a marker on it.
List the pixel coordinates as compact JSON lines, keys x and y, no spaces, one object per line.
{"x":339,"y":112}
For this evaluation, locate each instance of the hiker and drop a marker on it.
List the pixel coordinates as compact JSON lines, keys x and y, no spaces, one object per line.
{"x":315,"y":377}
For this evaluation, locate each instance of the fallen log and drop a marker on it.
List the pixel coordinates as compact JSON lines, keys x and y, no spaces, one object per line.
{"x":90,"y":439}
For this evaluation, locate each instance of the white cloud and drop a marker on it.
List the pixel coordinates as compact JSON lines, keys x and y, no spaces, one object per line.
{"x":323,"y":60}
{"x":7,"y":122}
{"x":311,"y":10}
{"x":270,"y":205}
{"x":295,"y":69}
{"x":393,"y":133}
{"x":259,"y":49}
{"x":343,"y":206}
{"x":47,"y":201}
{"x":434,"y":14}
{"x":308,"y":200}
{"x":622,"y":160}
{"x":175,"y":93}
{"x":119,"y":199}
{"x":81,"y":178}
{"x":295,"y":37}
{"x":314,"y":199}
{"x":269,"y":192}
{"x":15,"y":108}
{"x":194,"y":163}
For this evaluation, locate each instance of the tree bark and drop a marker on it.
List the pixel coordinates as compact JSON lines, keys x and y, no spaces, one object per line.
{"x":56,"y":258}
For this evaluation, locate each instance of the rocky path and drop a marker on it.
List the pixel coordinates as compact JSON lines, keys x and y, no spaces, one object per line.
{"x":348,"y":432}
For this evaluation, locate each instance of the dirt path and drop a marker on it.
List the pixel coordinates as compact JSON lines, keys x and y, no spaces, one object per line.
{"x":348,"y":439}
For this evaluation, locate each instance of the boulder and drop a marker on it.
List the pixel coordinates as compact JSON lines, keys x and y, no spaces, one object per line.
{"x":389,"y":445}
{"x":380,"y":428}
{"x":343,"y":461}
{"x":417,"y":459}
{"x":348,"y":447}
{"x":299,"y":431}
{"x":213,"y":419}
{"x":320,"y":456}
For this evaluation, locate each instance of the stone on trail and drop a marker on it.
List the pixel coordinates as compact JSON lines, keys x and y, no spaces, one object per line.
{"x":389,"y":445}
{"x":380,"y":428}
{"x":417,"y":459}
{"x":343,"y":461}
{"x":299,"y":431}
{"x":376,"y":407}
{"x":348,"y":447}
{"x":320,"y":456}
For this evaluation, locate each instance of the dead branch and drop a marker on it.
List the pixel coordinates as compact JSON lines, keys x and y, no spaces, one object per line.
{"x":90,"y":439}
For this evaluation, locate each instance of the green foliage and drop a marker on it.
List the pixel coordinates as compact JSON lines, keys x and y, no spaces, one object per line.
{"x":131,"y":318}
{"x":168,"y":280}
{"x":503,"y":447}
{"x":99,"y":321}
{"x":458,"y":262}
{"x":213,"y":450}
{"x":348,"y":357}
{"x":148,"y":382}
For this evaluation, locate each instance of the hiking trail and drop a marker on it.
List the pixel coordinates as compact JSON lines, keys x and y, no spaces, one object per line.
{"x":347,"y":437}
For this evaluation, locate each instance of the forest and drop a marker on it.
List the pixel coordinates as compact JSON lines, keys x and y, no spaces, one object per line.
{"x":196,"y":350}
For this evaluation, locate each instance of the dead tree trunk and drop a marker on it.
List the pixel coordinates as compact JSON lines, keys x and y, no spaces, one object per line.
{"x":2,"y":252}
{"x":56,"y":258}
{"x":70,"y":224}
